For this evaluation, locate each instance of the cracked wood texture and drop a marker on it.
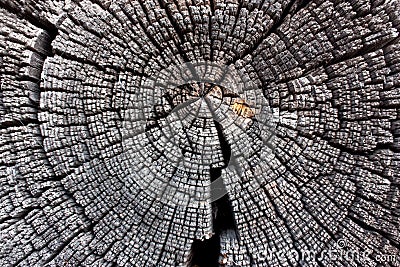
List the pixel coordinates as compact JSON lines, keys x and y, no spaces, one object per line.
{"x":329,"y":70}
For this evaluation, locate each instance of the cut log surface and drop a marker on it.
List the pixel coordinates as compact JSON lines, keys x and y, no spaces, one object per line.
{"x":108,"y":159}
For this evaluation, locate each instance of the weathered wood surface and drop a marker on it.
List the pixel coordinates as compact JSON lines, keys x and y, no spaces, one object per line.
{"x":329,"y":70}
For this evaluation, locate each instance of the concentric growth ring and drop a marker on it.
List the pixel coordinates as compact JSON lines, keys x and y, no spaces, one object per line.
{"x":194,"y":120}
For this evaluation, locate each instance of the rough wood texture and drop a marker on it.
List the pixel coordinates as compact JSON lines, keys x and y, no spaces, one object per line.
{"x":77,"y":188}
